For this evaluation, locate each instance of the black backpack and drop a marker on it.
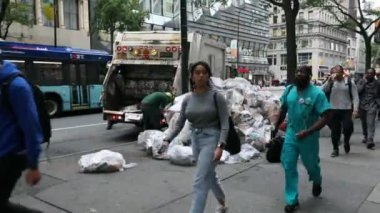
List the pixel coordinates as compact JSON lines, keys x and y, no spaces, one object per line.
{"x":273,"y":154}
{"x":39,"y":99}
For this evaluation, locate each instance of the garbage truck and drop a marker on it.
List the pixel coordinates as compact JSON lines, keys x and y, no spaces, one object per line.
{"x":150,"y":61}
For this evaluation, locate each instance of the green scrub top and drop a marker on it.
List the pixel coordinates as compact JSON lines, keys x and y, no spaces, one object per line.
{"x":304,"y":109}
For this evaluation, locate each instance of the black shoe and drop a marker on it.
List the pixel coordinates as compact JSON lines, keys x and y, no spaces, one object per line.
{"x":371,"y":146}
{"x":364,"y":140}
{"x":109,"y":126}
{"x":347,"y":148}
{"x":17,"y":208}
{"x":292,"y":208}
{"x":335,"y":153}
{"x":317,"y":189}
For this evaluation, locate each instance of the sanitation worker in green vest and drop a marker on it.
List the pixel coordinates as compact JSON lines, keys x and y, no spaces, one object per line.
{"x":152,"y":106}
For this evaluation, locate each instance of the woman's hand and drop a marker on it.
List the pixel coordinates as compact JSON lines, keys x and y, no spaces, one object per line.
{"x":218,"y":154}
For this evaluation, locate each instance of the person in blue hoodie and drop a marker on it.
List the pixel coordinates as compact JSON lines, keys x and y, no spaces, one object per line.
{"x":20,"y":136}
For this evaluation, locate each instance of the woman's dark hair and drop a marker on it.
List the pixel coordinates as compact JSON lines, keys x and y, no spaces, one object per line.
{"x":192,"y":69}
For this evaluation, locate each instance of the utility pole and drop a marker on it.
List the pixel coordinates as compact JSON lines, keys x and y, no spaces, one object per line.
{"x":237,"y":41}
{"x":184,"y":49}
{"x":55,"y":9}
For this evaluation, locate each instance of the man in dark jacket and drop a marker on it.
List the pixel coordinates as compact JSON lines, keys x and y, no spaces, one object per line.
{"x":369,"y":95}
{"x":20,"y":137}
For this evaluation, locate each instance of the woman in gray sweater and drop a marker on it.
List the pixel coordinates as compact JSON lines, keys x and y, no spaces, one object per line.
{"x":209,"y":130}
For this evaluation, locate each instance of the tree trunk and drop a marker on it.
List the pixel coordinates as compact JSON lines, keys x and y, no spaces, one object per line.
{"x":368,"y":52}
{"x":291,"y":45}
{"x":4,"y":6}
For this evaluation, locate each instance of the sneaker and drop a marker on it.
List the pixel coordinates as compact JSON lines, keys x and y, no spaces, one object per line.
{"x":335,"y":153}
{"x":317,"y":189}
{"x":221,"y":209}
{"x":292,"y":208}
{"x":347,"y":148}
{"x":371,"y":146}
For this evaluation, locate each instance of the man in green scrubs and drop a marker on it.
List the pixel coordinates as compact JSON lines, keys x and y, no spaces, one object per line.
{"x":151,"y":107}
{"x":308,"y":111}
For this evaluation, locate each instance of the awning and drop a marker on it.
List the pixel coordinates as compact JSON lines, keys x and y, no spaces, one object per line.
{"x":242,"y":70}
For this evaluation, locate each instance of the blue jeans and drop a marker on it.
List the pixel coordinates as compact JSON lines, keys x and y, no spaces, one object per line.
{"x":204,"y":142}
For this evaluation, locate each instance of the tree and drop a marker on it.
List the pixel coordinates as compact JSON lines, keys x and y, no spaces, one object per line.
{"x":12,"y":12}
{"x":361,"y":24}
{"x":291,"y":8}
{"x":118,"y":15}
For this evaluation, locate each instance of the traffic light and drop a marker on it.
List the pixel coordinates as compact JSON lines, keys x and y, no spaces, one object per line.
{"x":377,"y":35}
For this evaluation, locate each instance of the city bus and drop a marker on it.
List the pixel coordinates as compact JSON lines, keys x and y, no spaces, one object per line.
{"x":70,"y":78}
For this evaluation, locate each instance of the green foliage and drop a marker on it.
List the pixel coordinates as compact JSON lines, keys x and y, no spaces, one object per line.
{"x":18,"y":12}
{"x":118,"y":15}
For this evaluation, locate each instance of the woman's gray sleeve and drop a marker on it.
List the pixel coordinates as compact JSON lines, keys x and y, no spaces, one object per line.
{"x":223,"y":118}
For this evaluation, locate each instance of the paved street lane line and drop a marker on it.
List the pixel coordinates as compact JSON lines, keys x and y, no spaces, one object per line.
{"x":80,"y":126}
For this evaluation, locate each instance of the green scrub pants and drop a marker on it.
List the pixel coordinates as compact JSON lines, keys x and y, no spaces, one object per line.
{"x":308,"y":149}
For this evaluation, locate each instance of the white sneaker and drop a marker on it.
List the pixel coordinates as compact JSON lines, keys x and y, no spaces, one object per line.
{"x":222,"y":209}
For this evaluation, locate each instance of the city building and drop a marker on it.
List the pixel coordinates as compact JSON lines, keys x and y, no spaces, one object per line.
{"x":72,"y":24}
{"x":318,"y":44}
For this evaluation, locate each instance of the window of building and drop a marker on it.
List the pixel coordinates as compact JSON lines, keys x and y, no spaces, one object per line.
{"x":310,"y":14}
{"x":145,"y":5}
{"x":31,"y":6}
{"x":310,"y":28}
{"x":283,"y":20}
{"x":284,"y":59}
{"x":304,"y":43}
{"x":168,"y":8}
{"x":70,"y":8}
{"x":274,"y":19}
{"x":304,"y":58}
{"x":270,"y":59}
{"x":300,"y":28}
{"x":300,"y":15}
{"x":47,"y":12}
{"x":275,"y":10}
{"x":283,"y":31}
{"x":156,"y":7}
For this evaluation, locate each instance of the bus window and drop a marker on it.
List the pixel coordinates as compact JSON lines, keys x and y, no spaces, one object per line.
{"x":20,"y":65}
{"x":92,"y":72}
{"x":50,"y":73}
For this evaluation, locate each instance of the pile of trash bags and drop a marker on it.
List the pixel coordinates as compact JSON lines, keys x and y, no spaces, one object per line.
{"x":252,"y":109}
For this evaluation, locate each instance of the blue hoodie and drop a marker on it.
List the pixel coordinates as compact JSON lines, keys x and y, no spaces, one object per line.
{"x":19,"y":127}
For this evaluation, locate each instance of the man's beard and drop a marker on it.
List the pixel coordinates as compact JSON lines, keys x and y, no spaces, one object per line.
{"x":301,"y":83}
{"x":370,"y":78}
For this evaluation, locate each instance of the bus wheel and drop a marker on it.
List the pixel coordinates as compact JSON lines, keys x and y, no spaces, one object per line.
{"x":53,"y":107}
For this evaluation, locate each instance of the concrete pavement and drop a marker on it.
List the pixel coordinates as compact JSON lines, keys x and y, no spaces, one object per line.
{"x":350,"y":184}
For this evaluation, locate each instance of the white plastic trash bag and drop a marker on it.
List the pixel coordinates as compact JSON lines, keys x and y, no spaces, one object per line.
{"x":102,"y":161}
{"x":181,"y":155}
{"x":152,"y":141}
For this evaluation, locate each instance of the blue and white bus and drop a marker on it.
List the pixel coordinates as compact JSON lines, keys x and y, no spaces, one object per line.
{"x":71,"y":78}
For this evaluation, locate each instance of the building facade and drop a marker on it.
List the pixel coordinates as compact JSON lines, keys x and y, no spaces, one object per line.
{"x":318,"y":44}
{"x":72,"y":24}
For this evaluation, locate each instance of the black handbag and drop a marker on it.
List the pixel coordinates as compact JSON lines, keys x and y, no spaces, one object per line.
{"x":233,"y":145}
{"x":273,"y":154}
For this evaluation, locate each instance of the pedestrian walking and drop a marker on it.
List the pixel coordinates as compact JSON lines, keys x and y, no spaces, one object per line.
{"x":307,"y":112}
{"x":209,"y":130}
{"x":20,"y":136}
{"x":342,"y":93}
{"x":369,"y":95}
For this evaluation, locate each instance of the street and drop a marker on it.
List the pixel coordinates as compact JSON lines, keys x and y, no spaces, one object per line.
{"x":350,"y":182}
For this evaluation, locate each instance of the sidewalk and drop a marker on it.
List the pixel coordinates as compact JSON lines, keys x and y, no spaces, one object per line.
{"x":350,"y":184}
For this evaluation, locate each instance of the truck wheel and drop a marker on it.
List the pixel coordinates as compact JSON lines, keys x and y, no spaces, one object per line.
{"x":53,"y":107}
